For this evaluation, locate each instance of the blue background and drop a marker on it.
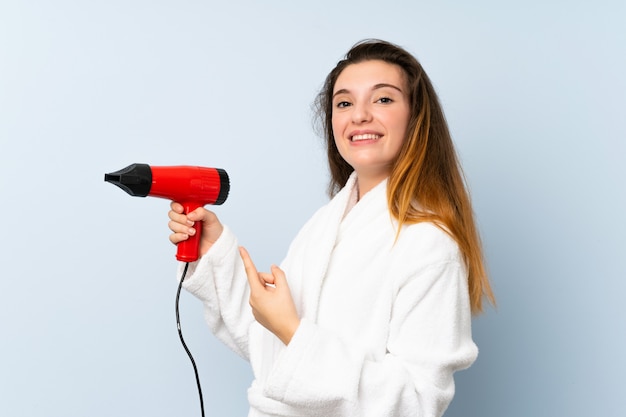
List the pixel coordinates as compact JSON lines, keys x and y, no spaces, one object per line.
{"x":535,"y":96}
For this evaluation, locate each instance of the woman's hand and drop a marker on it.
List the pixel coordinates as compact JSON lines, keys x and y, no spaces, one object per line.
{"x":182,"y":226}
{"x":271,"y":300}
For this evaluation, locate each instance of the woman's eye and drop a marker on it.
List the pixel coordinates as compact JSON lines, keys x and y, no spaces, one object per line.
{"x":384,"y":100}
{"x":343,"y":104}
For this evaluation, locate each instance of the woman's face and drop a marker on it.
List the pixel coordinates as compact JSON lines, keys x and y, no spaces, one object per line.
{"x":370,"y":116}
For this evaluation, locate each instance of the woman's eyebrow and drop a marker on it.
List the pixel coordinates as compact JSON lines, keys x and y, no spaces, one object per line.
{"x":375,"y":87}
{"x":383,"y":85}
{"x":342,"y":91}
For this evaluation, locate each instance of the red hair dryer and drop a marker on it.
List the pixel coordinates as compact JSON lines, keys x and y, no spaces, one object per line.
{"x":191,"y":186}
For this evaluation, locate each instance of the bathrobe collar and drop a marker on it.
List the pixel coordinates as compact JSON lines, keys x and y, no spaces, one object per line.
{"x":330,"y":223}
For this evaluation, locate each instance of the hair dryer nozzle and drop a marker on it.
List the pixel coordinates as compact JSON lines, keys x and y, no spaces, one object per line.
{"x":135,"y":179}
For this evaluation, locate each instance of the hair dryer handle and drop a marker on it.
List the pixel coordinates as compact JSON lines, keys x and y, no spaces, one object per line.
{"x":187,"y":250}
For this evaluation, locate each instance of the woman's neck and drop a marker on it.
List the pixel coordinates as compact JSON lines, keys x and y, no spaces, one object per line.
{"x":365,"y":185}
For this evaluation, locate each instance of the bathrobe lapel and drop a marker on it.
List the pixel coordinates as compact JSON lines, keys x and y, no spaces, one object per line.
{"x":365,"y":218}
{"x":324,"y":233}
{"x":314,"y":255}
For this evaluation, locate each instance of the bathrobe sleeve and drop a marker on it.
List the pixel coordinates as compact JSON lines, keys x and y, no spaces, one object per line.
{"x":429,"y":339}
{"x":218,"y":279}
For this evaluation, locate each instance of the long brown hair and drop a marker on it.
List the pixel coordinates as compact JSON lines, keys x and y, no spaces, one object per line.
{"x":426,"y":183}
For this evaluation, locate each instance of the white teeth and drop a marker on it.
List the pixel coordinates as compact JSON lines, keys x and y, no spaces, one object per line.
{"x":368,"y":136}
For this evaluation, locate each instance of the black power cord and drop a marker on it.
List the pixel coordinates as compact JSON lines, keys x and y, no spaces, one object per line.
{"x":180,"y":334}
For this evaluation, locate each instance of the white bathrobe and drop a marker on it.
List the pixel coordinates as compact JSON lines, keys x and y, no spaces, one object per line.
{"x":384,"y":323}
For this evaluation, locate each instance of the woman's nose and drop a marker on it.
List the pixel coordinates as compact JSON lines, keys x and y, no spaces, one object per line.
{"x":361,"y":113}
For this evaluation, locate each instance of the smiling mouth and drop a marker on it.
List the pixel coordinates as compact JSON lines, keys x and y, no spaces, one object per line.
{"x":368,"y":136}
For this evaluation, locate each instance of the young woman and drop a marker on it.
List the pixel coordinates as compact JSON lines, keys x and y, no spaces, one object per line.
{"x":370,"y":312}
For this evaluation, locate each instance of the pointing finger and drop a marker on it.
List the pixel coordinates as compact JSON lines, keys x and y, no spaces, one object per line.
{"x":253,"y":276}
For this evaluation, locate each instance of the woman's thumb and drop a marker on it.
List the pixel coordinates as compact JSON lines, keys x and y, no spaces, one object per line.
{"x":279,"y":275}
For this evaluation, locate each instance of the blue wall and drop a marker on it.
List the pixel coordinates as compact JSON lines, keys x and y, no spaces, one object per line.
{"x":535,"y":96}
